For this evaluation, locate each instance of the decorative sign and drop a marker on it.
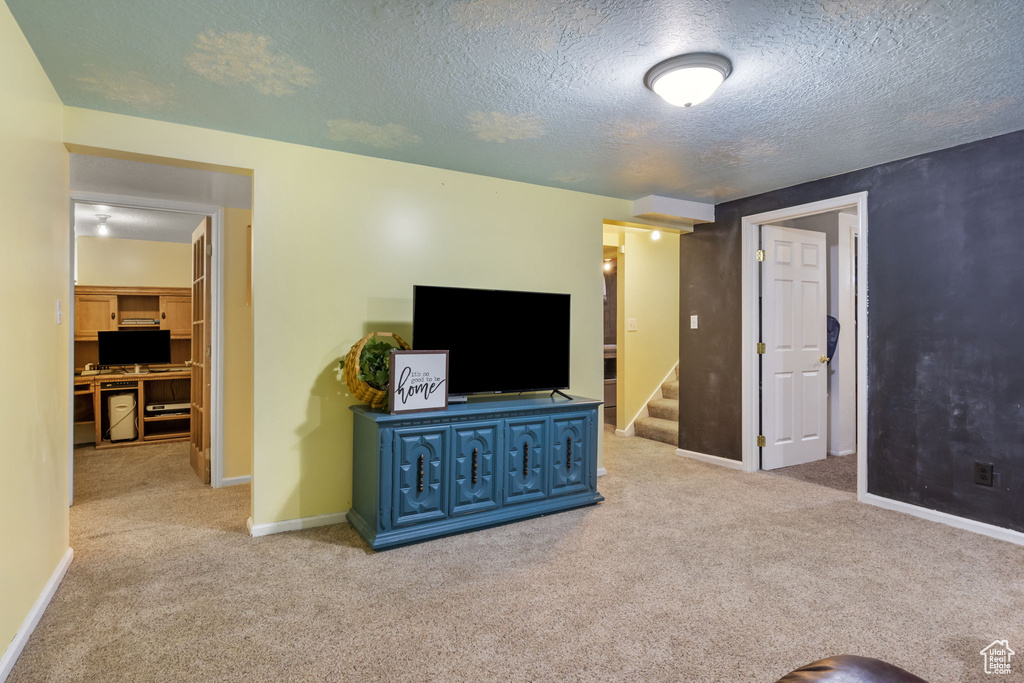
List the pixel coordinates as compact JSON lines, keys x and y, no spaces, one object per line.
{"x":419,"y":381}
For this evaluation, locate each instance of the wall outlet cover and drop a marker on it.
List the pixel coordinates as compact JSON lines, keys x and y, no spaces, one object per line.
{"x":693,"y":322}
{"x":631,"y":325}
{"x":983,"y":473}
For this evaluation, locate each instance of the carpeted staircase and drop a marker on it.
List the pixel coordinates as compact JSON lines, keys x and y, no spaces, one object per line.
{"x":662,"y":421}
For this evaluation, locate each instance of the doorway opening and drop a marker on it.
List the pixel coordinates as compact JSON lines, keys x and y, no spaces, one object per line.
{"x":641,"y":329}
{"x":610,"y":269}
{"x":802,"y":403}
{"x":148,"y":315}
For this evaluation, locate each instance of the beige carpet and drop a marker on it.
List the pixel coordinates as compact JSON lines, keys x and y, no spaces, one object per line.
{"x":835,"y":471}
{"x":689,"y":572}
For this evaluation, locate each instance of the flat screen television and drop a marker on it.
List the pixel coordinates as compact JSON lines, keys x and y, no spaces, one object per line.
{"x":497,"y":341}
{"x":135,"y":347}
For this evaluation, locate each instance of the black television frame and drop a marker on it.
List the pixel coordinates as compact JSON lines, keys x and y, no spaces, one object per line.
{"x":457,"y":393}
{"x":111,"y":335}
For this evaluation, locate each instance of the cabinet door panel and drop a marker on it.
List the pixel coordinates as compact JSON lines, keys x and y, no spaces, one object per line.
{"x":570,"y":446}
{"x":474,"y":484}
{"x":419,"y":490}
{"x":94,"y":313}
{"x":176,"y":315}
{"x":525,"y":454}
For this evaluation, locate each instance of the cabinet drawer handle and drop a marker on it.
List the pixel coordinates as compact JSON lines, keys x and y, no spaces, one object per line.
{"x":419,"y":476}
{"x":475,"y":454}
{"x":113,"y":316}
{"x":163,"y":315}
{"x":526,"y":459}
{"x":568,"y":454}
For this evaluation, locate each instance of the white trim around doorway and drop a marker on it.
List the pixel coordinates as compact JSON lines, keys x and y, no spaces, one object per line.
{"x":216,"y":215}
{"x":751,"y":226}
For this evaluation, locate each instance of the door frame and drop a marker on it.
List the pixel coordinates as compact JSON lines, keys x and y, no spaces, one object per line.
{"x":750,"y":410}
{"x":216,"y":215}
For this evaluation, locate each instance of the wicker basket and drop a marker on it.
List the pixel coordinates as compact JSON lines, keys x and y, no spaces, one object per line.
{"x":360,"y":389}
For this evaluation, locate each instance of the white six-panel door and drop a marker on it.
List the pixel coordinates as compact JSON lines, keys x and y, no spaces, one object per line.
{"x":794,"y":414}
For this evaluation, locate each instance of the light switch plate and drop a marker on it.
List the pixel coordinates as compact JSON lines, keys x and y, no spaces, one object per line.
{"x":631,"y":325}
{"x":693,"y":322}
{"x":60,"y":313}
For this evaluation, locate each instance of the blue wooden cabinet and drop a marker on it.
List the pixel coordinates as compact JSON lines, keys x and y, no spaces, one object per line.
{"x":478,"y":464}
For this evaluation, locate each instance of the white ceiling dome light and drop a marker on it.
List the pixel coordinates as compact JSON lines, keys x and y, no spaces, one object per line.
{"x":686,"y":80}
{"x":102,"y":227}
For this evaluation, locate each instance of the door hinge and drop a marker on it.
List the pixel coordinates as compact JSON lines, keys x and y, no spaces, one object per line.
{"x":761,"y":441}
{"x":761,"y":348}
{"x":760,"y":254}
{"x":209,"y":250}
{"x":207,"y":351}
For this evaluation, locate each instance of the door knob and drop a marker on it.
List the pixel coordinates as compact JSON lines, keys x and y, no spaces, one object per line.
{"x":825,"y":359}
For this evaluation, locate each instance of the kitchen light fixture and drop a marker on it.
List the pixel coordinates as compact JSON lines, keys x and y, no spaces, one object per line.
{"x":607,"y":264}
{"x":685,"y":80}
{"x":102,"y":228}
{"x":656,"y":235}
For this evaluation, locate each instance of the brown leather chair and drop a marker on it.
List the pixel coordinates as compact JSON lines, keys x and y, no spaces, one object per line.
{"x":850,"y":669}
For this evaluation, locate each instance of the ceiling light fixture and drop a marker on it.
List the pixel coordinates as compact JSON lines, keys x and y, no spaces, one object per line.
{"x":607,"y":264}
{"x":686,"y":80}
{"x":656,"y":235}
{"x":102,"y":228}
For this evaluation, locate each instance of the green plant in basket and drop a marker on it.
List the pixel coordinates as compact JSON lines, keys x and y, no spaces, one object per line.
{"x":375,"y":363}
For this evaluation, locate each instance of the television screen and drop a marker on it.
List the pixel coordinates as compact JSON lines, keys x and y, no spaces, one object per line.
{"x":497,"y":341}
{"x":131,"y":347}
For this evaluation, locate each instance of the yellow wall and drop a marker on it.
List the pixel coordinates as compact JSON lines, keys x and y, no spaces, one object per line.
{"x":648,"y":278}
{"x":237,"y":346}
{"x":102,"y":261}
{"x":33,"y":276}
{"x":339,"y":241}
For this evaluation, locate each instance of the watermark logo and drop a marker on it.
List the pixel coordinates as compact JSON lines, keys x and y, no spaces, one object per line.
{"x":997,"y":657}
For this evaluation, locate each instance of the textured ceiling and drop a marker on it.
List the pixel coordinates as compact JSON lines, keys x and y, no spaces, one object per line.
{"x":550,"y":91}
{"x":136,"y":224}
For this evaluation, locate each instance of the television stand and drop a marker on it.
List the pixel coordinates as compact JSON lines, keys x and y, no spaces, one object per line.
{"x":474,"y":465}
{"x":560,"y":393}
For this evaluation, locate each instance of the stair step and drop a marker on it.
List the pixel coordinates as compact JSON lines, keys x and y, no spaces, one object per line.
{"x":670,"y":389}
{"x":657,"y":429}
{"x":664,"y":408}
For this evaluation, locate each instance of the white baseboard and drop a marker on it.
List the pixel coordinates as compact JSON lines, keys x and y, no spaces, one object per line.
{"x":628,"y":431}
{"x":295,"y":524}
{"x":712,"y":459}
{"x":850,"y":452}
{"x":235,"y":481}
{"x":34,"y":615}
{"x":601,"y":471}
{"x":991,"y":530}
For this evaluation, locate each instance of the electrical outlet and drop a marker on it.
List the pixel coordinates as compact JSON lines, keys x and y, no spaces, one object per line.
{"x":983,"y":473}
{"x":631,"y":325}
{"x":693,"y":322}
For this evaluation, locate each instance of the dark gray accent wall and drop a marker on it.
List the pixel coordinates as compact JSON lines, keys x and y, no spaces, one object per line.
{"x":946,"y":325}
{"x":709,"y":357}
